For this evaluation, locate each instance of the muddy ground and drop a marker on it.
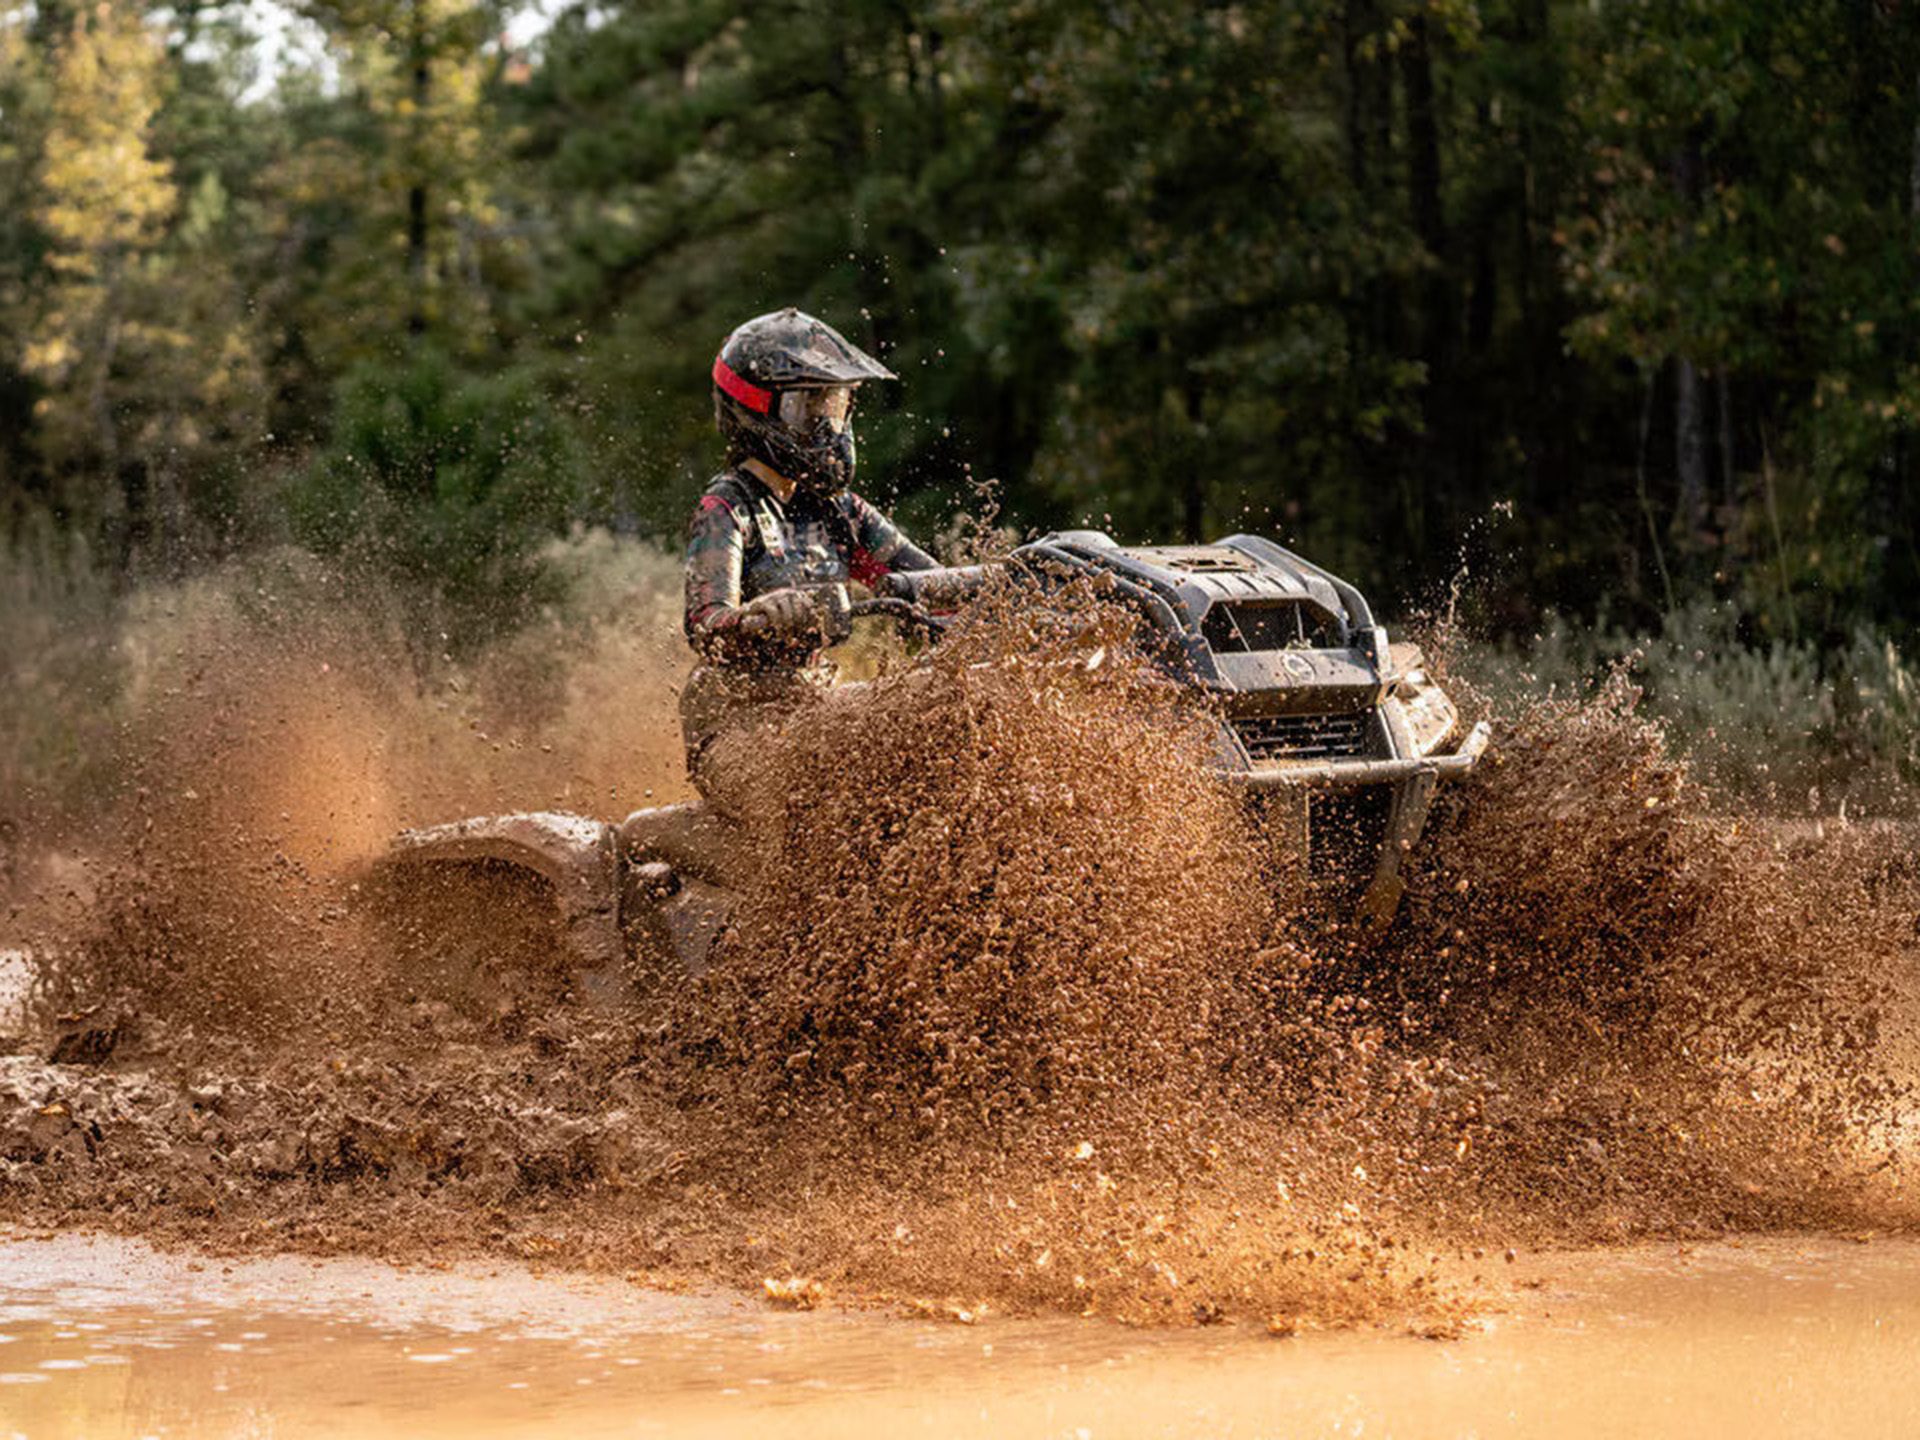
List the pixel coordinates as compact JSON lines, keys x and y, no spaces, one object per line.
{"x":1012,"y":1017}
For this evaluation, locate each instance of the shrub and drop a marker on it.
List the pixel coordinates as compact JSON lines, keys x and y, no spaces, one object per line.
{"x":1782,"y":721}
{"x":448,"y":484}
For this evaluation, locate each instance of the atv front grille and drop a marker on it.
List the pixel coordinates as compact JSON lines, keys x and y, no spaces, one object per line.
{"x":1306,"y":737}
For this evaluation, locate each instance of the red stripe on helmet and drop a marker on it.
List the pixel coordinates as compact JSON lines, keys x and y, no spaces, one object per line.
{"x":748,"y":394}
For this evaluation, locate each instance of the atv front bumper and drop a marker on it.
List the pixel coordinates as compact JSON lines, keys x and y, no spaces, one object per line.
{"x":1351,"y":774}
{"x":1412,"y":780}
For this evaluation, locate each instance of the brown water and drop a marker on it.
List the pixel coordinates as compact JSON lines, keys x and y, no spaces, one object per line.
{"x":107,"y":1338}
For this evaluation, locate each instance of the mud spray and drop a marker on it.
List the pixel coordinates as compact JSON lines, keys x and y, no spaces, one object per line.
{"x":1010,"y":1016}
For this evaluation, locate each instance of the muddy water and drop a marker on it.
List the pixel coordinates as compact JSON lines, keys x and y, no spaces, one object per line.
{"x":108,"y":1338}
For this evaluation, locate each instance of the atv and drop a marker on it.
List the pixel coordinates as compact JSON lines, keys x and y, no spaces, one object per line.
{"x":1336,"y":737}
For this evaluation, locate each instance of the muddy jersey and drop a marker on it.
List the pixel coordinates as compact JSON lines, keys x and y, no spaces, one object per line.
{"x":745,"y":541}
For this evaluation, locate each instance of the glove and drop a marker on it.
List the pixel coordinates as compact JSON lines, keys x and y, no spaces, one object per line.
{"x":895,"y":585}
{"x":780,"y":612}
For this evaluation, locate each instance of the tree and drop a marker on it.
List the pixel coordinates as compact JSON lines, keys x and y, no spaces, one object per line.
{"x":1193,"y":212}
{"x":24,"y":104}
{"x":104,"y":204}
{"x":1359,"y":272}
{"x":706,"y":166}
{"x":135,"y":339}
{"x":449,"y":485}
{"x":1748,"y":214}
{"x":400,"y":175}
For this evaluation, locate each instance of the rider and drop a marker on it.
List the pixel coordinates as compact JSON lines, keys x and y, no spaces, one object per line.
{"x":780,"y":517}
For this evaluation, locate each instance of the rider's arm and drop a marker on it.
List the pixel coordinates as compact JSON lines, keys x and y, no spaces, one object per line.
{"x":942,"y":589}
{"x":879,"y":547}
{"x":721,"y":624}
{"x":886,"y":561}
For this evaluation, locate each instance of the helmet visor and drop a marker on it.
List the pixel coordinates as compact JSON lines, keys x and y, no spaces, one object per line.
{"x":805,"y":410}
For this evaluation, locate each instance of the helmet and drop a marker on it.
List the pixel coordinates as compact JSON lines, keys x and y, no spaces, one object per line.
{"x":783,"y":394}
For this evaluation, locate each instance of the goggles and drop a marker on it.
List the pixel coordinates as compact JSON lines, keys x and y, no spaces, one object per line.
{"x":805,"y":410}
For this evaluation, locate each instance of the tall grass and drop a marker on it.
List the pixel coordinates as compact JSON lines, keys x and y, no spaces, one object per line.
{"x":89,"y":659}
{"x":1783,"y":724}
{"x":85,"y":654}
{"x":59,"y":670}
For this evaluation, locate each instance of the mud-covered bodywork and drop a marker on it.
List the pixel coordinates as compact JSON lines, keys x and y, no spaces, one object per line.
{"x":1338,"y":737}
{"x":1313,"y":698}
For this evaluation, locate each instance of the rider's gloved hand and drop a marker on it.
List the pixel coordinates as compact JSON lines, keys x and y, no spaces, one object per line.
{"x":895,"y":585}
{"x":778,"y":612}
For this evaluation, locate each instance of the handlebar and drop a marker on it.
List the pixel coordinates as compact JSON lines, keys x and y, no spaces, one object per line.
{"x":901,"y":612}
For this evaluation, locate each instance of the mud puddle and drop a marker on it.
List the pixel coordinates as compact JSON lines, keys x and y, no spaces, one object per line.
{"x":1767,"y":1337}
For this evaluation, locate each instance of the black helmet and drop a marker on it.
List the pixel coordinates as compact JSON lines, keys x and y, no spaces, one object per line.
{"x":783,"y":394}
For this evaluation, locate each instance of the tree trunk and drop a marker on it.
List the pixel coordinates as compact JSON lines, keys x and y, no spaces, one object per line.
{"x":1369,"y":103}
{"x":1355,"y":19}
{"x":1913,"y":172}
{"x":1689,"y":450}
{"x":1483,"y":297}
{"x":1646,"y":503}
{"x":1369,"y":97}
{"x":1442,"y":437}
{"x":1689,"y":423}
{"x":1730,"y":486}
{"x":936,"y":88}
{"x":1535,"y":284}
{"x":1195,"y":486}
{"x":417,"y":192}
{"x":1423,"y":147}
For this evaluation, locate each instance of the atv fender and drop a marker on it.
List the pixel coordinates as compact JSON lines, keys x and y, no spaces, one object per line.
{"x":689,"y":838}
{"x":577,"y":856}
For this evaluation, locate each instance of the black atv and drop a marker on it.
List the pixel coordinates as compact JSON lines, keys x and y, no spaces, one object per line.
{"x":1337,"y":736}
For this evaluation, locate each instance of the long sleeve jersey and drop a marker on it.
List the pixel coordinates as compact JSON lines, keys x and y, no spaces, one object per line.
{"x":744,"y":541}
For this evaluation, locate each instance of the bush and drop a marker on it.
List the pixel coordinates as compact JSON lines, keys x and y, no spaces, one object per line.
{"x":1784,"y":722}
{"x":448,"y":484}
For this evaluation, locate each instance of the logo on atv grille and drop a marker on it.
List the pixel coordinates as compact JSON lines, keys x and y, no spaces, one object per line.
{"x":1296,"y":665}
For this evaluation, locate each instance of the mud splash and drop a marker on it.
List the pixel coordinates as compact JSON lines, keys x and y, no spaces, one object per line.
{"x":273,"y":727}
{"x":1673,"y":1019}
{"x":997,"y":1005}
{"x":1018,"y":900}
{"x":1010,"y":1019}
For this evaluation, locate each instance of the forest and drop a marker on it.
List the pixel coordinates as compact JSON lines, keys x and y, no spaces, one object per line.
{"x":1612,"y":306}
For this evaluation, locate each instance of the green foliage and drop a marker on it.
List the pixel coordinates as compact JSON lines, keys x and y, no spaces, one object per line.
{"x":406,"y":173}
{"x":1639,"y":277}
{"x":1205,"y":346}
{"x":1778,"y":721}
{"x":1749,"y":208}
{"x":143,"y":365}
{"x":447,"y":483}
{"x":705,"y":167}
